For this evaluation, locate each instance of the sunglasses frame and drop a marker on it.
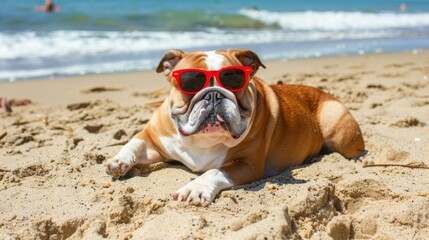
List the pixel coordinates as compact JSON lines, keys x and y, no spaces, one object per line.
{"x":212,"y":73}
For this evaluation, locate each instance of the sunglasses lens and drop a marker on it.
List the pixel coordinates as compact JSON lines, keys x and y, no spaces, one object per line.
{"x":192,"y":81}
{"x":232,"y":79}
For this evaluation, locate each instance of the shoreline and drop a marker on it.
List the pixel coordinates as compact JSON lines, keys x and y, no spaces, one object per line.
{"x":53,"y":182}
{"x":70,"y":88}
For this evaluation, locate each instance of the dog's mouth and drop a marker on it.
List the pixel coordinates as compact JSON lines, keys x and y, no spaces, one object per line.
{"x":213,"y":112}
{"x":214,"y":124}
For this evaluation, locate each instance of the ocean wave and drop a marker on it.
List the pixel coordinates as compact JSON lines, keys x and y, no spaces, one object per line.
{"x":45,"y":45}
{"x":82,"y":68}
{"x":63,"y":43}
{"x":96,"y":58}
{"x":244,"y":19}
{"x":334,"y":21}
{"x":166,"y":20}
{"x":187,"y":20}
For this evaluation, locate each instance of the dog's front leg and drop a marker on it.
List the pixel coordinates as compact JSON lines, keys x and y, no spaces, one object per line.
{"x":204,"y":188}
{"x":137,"y":151}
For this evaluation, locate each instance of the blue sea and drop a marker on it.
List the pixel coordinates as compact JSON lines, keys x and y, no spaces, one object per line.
{"x":102,"y":36}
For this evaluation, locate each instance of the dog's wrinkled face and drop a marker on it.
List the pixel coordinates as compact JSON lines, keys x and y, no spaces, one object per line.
{"x":214,"y":111}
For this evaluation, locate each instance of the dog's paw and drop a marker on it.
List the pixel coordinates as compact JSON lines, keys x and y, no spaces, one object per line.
{"x":119,"y":165}
{"x":197,"y":192}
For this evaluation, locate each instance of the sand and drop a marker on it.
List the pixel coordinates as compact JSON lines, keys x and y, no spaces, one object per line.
{"x":53,"y":184}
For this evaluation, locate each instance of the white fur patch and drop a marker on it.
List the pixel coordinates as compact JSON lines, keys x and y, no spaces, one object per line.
{"x":130,"y":154}
{"x":133,"y":147}
{"x":205,"y":187}
{"x":200,"y":156}
{"x":330,"y":114}
{"x":214,"y":61}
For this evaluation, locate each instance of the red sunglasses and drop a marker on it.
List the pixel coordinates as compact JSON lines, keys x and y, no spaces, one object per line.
{"x":193,"y":80}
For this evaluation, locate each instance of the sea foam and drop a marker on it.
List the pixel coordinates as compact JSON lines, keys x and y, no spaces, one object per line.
{"x":310,"y":20}
{"x":37,"y":45}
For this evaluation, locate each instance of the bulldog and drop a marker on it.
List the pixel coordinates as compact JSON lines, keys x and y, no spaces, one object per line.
{"x":221,"y":120}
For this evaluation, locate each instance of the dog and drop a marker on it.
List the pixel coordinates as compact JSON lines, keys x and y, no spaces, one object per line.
{"x":223,"y":121}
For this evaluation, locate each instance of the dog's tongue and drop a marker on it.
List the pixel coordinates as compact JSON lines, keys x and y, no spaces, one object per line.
{"x":213,"y":127}
{"x":219,"y":118}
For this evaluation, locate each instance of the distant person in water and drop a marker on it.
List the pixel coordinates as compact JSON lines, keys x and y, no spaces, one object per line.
{"x":403,"y":7}
{"x":48,"y":7}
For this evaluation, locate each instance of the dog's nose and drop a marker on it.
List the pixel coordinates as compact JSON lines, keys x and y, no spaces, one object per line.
{"x":214,"y":97}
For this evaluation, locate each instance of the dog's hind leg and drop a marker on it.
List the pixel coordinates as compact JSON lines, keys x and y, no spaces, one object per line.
{"x":341,"y":132}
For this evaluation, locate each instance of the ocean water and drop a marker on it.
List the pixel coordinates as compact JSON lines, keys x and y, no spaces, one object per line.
{"x":94,"y":36}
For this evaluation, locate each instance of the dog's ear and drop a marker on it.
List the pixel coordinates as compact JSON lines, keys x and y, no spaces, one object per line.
{"x":169,"y":60}
{"x":247,"y":58}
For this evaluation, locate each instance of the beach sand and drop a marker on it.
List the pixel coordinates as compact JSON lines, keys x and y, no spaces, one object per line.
{"x":53,"y":184}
